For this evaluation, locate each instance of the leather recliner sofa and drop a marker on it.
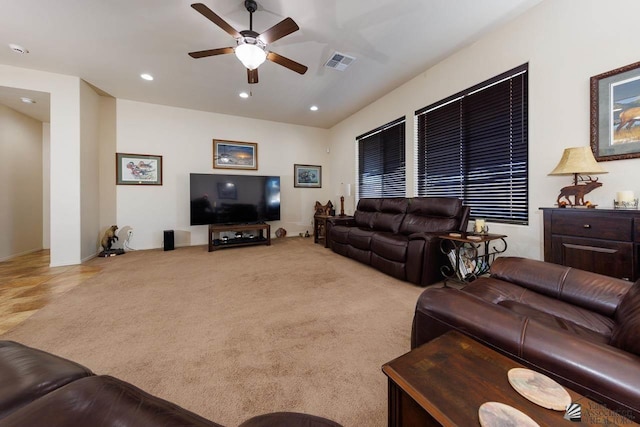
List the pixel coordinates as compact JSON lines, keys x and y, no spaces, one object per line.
{"x":580,"y":328}
{"x":399,"y":236}
{"x":40,"y":389}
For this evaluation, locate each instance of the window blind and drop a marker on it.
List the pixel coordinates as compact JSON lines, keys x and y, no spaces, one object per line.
{"x":474,"y":145}
{"x":381,"y":161}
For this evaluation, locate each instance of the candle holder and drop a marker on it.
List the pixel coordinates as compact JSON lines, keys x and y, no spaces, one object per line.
{"x":625,"y":204}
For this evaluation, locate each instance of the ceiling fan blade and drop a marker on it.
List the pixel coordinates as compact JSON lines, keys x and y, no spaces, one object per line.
{"x":278,"y":31}
{"x":252,"y":76}
{"x":286,"y":62}
{"x":211,"y":52}
{"x":208,"y":13}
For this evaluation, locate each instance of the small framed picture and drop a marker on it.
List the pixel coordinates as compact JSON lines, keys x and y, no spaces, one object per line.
{"x":138,"y":169}
{"x":235,"y":155}
{"x":307,"y":176}
{"x":615,"y":113}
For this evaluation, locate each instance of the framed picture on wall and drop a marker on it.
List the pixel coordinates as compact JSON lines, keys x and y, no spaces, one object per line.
{"x":307,"y":176}
{"x":138,"y":169}
{"x":235,"y":155}
{"x":615,"y":113}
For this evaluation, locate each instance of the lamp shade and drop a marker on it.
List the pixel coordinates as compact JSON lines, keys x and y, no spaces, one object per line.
{"x":577,"y":160}
{"x":250,"y":54}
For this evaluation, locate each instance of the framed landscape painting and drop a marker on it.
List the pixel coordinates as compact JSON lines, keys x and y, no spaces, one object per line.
{"x":235,"y":155}
{"x":615,"y":113}
{"x":308,"y":176}
{"x":138,"y":169}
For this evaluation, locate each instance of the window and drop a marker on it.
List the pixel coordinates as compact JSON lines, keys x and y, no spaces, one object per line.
{"x":381,"y":161}
{"x":474,"y":145}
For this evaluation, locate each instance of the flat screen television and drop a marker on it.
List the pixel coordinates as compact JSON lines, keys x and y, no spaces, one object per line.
{"x":234,"y":199}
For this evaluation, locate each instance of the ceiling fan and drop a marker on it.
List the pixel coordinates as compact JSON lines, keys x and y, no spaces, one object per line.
{"x":251,"y":47}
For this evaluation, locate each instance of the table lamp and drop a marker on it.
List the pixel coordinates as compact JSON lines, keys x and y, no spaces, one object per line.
{"x":346,"y":190}
{"x":578,"y":161}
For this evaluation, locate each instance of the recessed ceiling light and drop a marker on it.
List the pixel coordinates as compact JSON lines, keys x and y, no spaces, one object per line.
{"x":27,"y":100}
{"x":17,"y":48}
{"x":146,"y":76}
{"x":313,"y":108}
{"x":243,"y":95}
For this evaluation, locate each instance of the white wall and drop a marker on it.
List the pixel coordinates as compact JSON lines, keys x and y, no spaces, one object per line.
{"x":65,"y":156}
{"x":89,"y":171}
{"x":21,"y":210}
{"x":184,"y":139}
{"x":565,"y":43}
{"x":46,"y":190}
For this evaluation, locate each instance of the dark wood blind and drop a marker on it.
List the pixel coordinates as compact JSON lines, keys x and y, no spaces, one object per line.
{"x":381,"y":161}
{"x":474,"y":145}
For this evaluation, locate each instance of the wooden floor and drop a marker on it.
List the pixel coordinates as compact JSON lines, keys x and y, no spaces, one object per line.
{"x":27,"y":284}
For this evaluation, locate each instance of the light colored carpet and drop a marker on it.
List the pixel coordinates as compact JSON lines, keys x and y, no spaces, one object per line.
{"x":237,"y":332}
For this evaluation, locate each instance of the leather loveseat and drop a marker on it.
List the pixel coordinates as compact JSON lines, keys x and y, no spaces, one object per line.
{"x":578,"y":327}
{"x":399,"y":236}
{"x":40,"y":389}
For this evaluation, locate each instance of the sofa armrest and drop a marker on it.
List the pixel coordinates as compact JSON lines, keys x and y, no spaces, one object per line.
{"x":424,"y":236}
{"x":347,"y":221}
{"x":440,"y":310}
{"x":598,"y":371}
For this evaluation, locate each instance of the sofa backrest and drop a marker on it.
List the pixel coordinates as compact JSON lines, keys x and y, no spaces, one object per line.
{"x":367,"y":208}
{"x":381,"y":214}
{"x":434,"y":214}
{"x":391,"y":214}
{"x":592,"y":291}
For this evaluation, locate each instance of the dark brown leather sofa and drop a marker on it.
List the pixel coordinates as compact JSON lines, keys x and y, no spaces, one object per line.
{"x":578,"y":327}
{"x":399,"y":236}
{"x":40,"y":389}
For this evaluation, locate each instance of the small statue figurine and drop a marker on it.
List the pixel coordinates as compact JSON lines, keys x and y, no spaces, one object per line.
{"x":324,"y":209}
{"x":578,"y":191}
{"x":108,"y":238}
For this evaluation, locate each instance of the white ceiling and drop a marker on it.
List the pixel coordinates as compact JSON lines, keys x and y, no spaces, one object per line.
{"x":109,"y":43}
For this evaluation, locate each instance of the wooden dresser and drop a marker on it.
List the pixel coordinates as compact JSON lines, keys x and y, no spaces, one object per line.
{"x":605,"y":241}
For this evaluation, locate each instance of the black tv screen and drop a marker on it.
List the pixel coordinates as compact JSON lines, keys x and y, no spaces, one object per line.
{"x":234,"y":199}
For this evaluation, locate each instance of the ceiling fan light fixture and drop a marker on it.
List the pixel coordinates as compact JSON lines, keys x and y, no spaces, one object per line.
{"x":251,"y":52}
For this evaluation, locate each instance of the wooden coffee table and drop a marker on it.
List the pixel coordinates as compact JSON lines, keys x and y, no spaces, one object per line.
{"x":444,"y":382}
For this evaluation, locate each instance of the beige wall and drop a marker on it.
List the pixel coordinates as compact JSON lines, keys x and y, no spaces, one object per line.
{"x":21,"y":210}
{"x":565,"y":42}
{"x":184,"y":139}
{"x":89,"y":170}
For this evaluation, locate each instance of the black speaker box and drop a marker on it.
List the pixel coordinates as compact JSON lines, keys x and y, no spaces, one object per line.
{"x":168,"y":240}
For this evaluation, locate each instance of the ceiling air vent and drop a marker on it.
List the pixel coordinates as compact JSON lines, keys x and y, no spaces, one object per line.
{"x":339,"y":61}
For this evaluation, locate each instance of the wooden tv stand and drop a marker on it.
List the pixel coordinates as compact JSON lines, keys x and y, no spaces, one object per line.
{"x":215,"y":242}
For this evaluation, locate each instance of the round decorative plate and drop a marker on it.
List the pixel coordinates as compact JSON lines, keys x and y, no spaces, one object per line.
{"x":539,"y":389}
{"x":496,"y":414}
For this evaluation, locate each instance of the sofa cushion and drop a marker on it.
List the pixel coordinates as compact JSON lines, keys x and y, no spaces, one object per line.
{"x":340,"y":234}
{"x":432,"y":214}
{"x":367,"y":209}
{"x":627,"y":332}
{"x":391,"y":214}
{"x":555,"y":321}
{"x":27,"y":373}
{"x":360,"y":238}
{"x":390,"y":246}
{"x":544,"y":308}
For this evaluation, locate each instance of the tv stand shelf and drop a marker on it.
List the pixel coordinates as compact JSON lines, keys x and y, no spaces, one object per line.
{"x":215,"y":242}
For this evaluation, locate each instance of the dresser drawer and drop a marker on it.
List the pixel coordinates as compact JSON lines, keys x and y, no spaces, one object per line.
{"x":594,"y":226}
